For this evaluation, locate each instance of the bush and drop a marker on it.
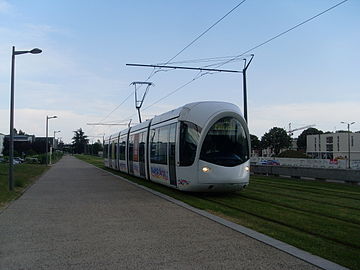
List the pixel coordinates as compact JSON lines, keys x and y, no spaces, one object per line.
{"x":292,"y":154}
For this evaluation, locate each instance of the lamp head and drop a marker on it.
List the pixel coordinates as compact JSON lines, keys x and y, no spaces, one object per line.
{"x":36,"y":51}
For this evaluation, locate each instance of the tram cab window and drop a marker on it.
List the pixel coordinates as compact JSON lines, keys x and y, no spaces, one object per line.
{"x":189,"y":138}
{"x":159,"y":138}
{"x":226,"y":143}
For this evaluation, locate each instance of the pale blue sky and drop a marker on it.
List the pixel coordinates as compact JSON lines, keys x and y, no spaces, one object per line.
{"x":308,"y":76}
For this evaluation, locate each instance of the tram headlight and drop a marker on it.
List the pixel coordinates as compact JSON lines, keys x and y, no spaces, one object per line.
{"x":247,"y":168}
{"x":205,"y":169}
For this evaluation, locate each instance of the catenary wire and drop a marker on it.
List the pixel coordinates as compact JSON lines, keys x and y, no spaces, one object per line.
{"x":244,"y":53}
{"x":281,"y":34}
{"x":153,"y":72}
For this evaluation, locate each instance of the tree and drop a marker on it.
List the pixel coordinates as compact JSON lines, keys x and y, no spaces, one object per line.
{"x":301,"y":141}
{"x":277,"y":139}
{"x":255,"y":142}
{"x":80,"y":141}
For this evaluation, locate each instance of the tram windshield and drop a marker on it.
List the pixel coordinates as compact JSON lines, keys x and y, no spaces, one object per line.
{"x":226,"y":143}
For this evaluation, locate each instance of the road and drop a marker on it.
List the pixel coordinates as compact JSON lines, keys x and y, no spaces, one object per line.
{"x":79,"y":217}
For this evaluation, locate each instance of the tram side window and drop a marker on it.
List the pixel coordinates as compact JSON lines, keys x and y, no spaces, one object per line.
{"x":113,"y":150}
{"x":159,"y":143}
{"x":131,"y":148}
{"x":189,"y":138}
{"x":122,"y":148}
{"x":142,"y":147}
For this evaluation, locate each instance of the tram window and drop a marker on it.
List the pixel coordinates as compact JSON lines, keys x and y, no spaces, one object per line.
{"x":136,"y":147}
{"x":189,"y":138}
{"x":159,"y":143}
{"x":226,"y":143}
{"x":131,"y":148}
{"x":142,"y":147}
{"x":113,"y":150}
{"x":122,"y":148}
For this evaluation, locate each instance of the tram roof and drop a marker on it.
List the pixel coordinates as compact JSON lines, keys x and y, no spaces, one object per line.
{"x":197,"y":112}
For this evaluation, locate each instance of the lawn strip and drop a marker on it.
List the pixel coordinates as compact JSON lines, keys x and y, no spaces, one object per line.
{"x":338,"y":187}
{"x":344,"y":203}
{"x":330,"y":211}
{"x":355,"y":194}
{"x":310,"y":190}
{"x":319,"y":226}
{"x":24,"y":175}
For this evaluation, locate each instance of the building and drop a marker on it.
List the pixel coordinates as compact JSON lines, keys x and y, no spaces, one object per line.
{"x":52,"y":142}
{"x":333,"y":145}
{"x":2,"y":137}
{"x":22,"y":138}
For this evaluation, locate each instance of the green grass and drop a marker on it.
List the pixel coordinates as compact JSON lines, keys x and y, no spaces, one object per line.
{"x":319,"y":217}
{"x":24,"y":175}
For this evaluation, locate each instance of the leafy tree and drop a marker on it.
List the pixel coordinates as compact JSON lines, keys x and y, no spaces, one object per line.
{"x":80,"y":141}
{"x":255,"y":142}
{"x":301,"y":141}
{"x":277,"y":139}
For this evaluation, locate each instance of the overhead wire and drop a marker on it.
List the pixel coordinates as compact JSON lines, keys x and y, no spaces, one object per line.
{"x":249,"y":50}
{"x":282,"y":33}
{"x":154,"y":71}
{"x":229,"y":58}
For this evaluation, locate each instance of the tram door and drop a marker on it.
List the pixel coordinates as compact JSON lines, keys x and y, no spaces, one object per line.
{"x":172,"y":161}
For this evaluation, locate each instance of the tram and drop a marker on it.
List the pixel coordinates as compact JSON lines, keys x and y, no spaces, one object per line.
{"x":199,"y":147}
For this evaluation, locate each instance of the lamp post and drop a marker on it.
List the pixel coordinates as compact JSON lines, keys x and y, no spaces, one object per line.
{"x":47,"y":140}
{"x":11,"y":141}
{"x":348,"y":126}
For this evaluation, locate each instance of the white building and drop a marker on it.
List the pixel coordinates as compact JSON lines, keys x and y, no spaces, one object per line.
{"x":2,"y":136}
{"x":333,"y":146}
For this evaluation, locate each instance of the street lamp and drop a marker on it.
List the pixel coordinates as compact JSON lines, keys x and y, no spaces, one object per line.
{"x":57,"y":131}
{"x":47,"y":142}
{"x":11,"y":141}
{"x":348,"y":126}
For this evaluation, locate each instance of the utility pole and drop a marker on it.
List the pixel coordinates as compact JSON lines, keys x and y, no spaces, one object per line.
{"x":246,"y":65}
{"x":243,"y":71}
{"x":349,"y":150}
{"x":139,"y":102}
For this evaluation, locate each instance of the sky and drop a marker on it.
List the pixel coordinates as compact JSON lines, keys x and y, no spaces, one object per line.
{"x":309,"y":76}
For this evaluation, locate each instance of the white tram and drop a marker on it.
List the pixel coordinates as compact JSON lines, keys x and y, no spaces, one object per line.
{"x":202,"y":146}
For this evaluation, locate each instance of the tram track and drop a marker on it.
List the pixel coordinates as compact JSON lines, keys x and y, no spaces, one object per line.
{"x":309,"y":190}
{"x":299,"y":209}
{"x":306,"y":199}
{"x":272,"y":220}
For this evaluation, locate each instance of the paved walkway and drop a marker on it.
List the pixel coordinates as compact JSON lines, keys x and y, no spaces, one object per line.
{"x":79,"y":217}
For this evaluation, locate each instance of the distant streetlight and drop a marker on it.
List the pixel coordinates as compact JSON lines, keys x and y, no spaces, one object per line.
{"x":11,"y":141}
{"x":56,"y":131}
{"x":348,"y":126}
{"x":47,"y":140}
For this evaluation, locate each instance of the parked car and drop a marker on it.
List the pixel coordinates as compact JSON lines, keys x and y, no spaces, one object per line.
{"x":18,"y":160}
{"x":269,"y":162}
